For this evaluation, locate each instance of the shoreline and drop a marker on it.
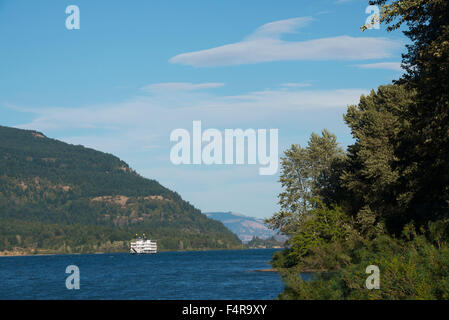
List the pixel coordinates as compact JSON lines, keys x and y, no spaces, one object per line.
{"x":28,"y":254}
{"x":267,"y":270}
{"x":278,"y":270}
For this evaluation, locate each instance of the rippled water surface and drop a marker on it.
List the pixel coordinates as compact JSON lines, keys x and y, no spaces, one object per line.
{"x":166,"y":275}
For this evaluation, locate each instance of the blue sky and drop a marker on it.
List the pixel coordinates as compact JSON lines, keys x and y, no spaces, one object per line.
{"x":136,"y":70}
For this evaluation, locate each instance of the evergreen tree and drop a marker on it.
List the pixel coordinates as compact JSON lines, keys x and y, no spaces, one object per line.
{"x":371,"y":175}
{"x":423,"y":145}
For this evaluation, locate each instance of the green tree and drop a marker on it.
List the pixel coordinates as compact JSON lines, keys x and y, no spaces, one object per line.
{"x":395,"y":173}
{"x":423,"y":146}
{"x":371,"y":174}
{"x":305,"y":173}
{"x":322,"y":226}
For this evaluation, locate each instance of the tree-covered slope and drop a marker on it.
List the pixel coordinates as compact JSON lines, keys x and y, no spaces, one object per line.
{"x":65,"y":198}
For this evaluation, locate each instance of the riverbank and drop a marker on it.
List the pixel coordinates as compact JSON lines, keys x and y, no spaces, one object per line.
{"x":21,"y":252}
{"x":18,"y":252}
{"x":280,"y":270}
{"x":267,"y":270}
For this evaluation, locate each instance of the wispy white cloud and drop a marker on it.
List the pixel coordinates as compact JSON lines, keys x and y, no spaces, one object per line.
{"x":295,"y":85}
{"x":157,"y":112}
{"x":182,"y":86}
{"x":265,"y":45}
{"x":382,"y":65}
{"x":277,"y":28}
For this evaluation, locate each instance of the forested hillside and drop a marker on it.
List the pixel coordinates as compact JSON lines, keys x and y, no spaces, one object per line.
{"x":57,"y":197}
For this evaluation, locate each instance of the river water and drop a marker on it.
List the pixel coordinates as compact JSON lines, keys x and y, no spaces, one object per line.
{"x":227,"y":274}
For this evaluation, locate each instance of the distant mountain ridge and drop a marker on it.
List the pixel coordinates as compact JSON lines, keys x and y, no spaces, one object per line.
{"x":243,"y":226}
{"x":63,"y":198}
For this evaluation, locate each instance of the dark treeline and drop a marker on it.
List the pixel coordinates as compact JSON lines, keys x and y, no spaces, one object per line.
{"x":57,"y":197}
{"x":37,"y":237}
{"x":385,"y":200}
{"x":257,"y":242}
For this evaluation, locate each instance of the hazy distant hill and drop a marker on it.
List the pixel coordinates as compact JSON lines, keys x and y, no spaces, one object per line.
{"x":244,"y":227}
{"x":68,"y":198}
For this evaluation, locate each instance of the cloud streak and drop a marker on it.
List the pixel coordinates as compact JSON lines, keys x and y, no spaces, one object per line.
{"x":156,"y":112}
{"x":266,"y":45}
{"x":182,"y":86}
{"x":396,"y":66}
{"x":277,"y":28}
